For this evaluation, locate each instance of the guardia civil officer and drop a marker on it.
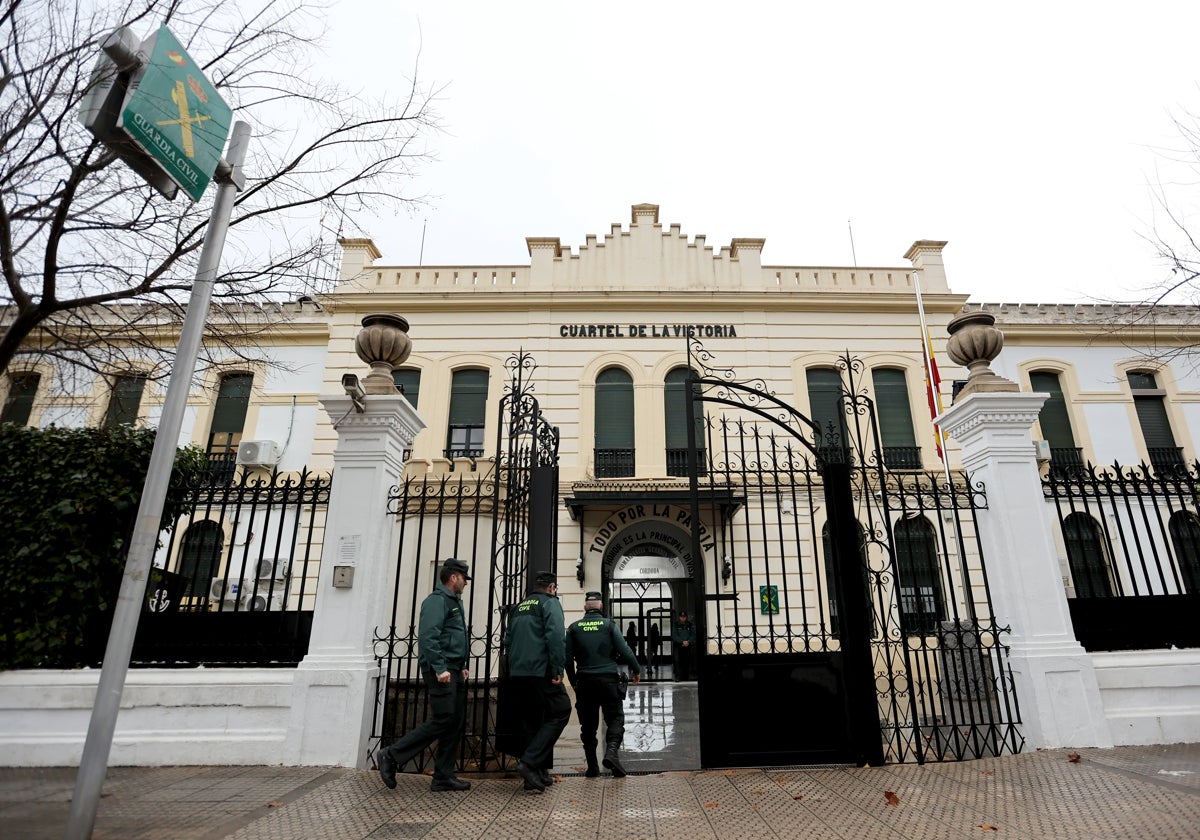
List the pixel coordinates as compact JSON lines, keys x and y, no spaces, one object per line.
{"x":534,"y":642}
{"x":442,"y":638}
{"x":594,"y":646}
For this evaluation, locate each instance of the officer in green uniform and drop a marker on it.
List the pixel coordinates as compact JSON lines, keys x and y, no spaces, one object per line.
{"x":534,"y":641}
{"x":683,"y":635}
{"x":593,"y":648}
{"x":442,"y":640}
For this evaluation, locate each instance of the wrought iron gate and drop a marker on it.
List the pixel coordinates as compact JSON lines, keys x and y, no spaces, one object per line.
{"x":851,"y":619}
{"x":499,"y":515}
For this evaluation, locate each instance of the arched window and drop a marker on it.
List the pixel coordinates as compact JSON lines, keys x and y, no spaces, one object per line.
{"x":1185,"y":537}
{"x":1087,"y":557}
{"x":468,"y":410}
{"x":614,"y":423}
{"x":896,"y":436}
{"x":824,"y":400}
{"x":833,"y":582}
{"x":200,"y":557}
{"x":918,"y":576}
{"x":675,"y":403}
{"x":1055,"y":422}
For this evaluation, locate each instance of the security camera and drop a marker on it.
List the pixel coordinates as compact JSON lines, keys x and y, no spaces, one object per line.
{"x":354,"y":390}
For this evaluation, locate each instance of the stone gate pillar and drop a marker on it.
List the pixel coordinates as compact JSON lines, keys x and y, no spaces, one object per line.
{"x":992,"y":420}
{"x":335,"y":684}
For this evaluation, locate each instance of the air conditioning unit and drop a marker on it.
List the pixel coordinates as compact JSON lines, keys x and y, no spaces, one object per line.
{"x":225,"y":589}
{"x":259,"y":453}
{"x":1041,"y":450}
{"x":273,"y":569}
{"x":262,"y":602}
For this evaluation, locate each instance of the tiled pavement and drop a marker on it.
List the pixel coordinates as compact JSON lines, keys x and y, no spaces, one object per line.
{"x":1120,"y":793}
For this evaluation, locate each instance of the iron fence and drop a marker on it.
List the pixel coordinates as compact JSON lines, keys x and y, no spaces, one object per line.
{"x":234,"y":582}
{"x":1129,"y":545}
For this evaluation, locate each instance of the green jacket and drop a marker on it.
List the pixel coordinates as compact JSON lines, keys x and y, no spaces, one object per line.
{"x":442,"y":632}
{"x":535,"y":637}
{"x":683,"y":632}
{"x":595,"y":644}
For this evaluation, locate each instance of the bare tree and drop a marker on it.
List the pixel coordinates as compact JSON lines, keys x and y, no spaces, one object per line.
{"x":80,"y":232}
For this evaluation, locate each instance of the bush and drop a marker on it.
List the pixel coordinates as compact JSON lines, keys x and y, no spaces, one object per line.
{"x":69,"y":499}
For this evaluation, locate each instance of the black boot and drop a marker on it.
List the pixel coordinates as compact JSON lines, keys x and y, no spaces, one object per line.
{"x":593,"y":768}
{"x":612,"y":762}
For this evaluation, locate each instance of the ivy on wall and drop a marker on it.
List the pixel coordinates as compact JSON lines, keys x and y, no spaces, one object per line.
{"x":68,"y":501}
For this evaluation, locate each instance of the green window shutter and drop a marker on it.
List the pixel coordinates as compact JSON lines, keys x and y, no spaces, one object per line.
{"x":233,"y":398}
{"x":468,"y":397}
{"x":892,"y":407}
{"x":1151,"y":411}
{"x":614,"y":409}
{"x":824,"y":396}
{"x":675,"y":402}
{"x":124,"y":401}
{"x":18,"y":405}
{"x":1054,"y":418}
{"x":408,"y":381}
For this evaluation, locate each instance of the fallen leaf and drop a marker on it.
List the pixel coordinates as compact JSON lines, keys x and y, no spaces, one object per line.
{"x":274,"y":804}
{"x":1073,"y":758}
{"x":757,"y":792}
{"x":989,"y":772}
{"x":712,"y":804}
{"x":892,"y":798}
{"x":798,"y":796}
{"x":780,"y":779}
{"x":989,"y":827}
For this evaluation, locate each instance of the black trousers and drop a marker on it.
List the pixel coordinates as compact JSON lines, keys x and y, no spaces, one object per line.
{"x":595,"y":693}
{"x":545,"y":711}
{"x":448,"y":713}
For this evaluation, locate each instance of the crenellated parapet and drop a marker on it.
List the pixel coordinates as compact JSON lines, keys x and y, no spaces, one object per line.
{"x":643,"y":256}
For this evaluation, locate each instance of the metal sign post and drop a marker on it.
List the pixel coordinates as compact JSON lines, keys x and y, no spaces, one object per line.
{"x":93,"y":766}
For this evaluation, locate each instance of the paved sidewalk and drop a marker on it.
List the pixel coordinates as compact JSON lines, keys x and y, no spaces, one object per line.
{"x":1118,"y":793}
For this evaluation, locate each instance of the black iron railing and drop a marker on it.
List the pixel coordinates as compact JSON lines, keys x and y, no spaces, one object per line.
{"x":239,"y":583}
{"x":902,"y":457}
{"x":1067,"y":461}
{"x":1131,"y":536}
{"x":222,"y":456}
{"x":677,"y":463}
{"x":614,"y":463}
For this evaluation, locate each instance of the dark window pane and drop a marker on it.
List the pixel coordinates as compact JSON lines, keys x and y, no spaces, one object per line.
{"x":918,"y":576}
{"x":892,"y":408}
{"x":614,"y":409}
{"x":1087,"y":557}
{"x":18,"y":405}
{"x":1054,"y":417}
{"x":1185,"y":536}
{"x":409,"y":383}
{"x":125,"y":400}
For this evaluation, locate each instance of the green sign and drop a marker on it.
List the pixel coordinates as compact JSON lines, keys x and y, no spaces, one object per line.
{"x":768,"y":600}
{"x":176,"y":116}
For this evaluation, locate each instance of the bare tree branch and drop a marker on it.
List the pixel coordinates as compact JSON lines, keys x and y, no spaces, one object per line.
{"x":81,"y":235}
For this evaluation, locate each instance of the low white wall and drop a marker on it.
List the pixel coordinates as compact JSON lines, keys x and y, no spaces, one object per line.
{"x":1150,"y":697}
{"x":168,"y":716}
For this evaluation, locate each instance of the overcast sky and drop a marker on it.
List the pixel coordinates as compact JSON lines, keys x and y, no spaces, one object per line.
{"x":1028,"y":135}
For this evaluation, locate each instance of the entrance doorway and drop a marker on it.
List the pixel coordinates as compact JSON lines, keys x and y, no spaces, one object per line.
{"x":643,"y":611}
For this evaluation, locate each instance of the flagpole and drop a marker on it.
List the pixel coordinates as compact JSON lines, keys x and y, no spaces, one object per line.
{"x":935,"y":393}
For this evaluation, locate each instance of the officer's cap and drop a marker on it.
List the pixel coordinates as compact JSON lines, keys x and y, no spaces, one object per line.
{"x":594,"y":596}
{"x":545,"y":578}
{"x":453,"y":564}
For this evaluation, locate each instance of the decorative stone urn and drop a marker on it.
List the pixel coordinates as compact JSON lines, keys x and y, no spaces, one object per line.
{"x":974,"y":342}
{"x":382,"y":343}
